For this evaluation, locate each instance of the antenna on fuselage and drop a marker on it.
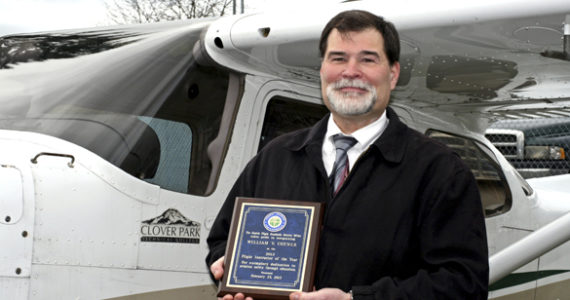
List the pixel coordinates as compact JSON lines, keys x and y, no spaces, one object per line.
{"x":235,"y":7}
{"x":565,"y":54}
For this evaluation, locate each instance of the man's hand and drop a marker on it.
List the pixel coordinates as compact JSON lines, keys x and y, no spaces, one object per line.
{"x":322,"y":294}
{"x":217,"y":268}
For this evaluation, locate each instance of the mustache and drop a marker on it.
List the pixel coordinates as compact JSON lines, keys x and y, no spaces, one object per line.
{"x":357,"y":83}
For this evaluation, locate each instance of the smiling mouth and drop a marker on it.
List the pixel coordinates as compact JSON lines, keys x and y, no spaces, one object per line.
{"x":352,"y":89}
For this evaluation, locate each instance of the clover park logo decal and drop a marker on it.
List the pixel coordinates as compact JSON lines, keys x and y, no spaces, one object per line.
{"x":170,"y":227}
{"x":274,"y":221}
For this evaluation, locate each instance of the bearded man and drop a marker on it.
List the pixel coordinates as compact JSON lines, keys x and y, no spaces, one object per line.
{"x":403,"y":213}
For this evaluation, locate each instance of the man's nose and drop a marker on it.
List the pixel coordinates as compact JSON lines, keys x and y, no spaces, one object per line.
{"x":352,"y":69}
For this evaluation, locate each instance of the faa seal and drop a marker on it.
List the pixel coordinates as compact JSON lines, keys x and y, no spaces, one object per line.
{"x":274,"y":221}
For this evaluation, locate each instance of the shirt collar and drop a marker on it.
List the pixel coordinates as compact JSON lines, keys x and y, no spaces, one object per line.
{"x":365,"y":136}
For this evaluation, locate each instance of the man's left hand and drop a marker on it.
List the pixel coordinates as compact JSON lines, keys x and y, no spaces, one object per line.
{"x":322,"y":294}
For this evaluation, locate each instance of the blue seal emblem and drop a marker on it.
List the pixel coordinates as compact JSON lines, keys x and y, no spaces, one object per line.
{"x":274,"y":221}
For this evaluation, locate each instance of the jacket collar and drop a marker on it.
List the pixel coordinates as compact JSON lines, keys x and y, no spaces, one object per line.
{"x":314,"y":137}
{"x":391,"y":144}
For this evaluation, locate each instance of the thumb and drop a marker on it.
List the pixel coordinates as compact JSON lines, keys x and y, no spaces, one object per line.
{"x":217,"y":268}
{"x":295,"y":296}
{"x":217,"y":273}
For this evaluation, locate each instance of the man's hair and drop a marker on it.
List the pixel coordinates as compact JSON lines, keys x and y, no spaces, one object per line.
{"x":359,"y":20}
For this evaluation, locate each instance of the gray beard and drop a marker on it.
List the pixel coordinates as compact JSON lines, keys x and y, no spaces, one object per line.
{"x":351,"y":104}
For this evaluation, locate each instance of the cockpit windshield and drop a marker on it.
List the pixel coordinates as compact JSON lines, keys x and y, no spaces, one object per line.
{"x":134,"y":96}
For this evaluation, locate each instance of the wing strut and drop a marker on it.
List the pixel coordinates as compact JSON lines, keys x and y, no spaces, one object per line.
{"x":529,"y":248}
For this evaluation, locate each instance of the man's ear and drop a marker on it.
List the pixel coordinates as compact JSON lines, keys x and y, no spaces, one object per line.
{"x":394,"y":74}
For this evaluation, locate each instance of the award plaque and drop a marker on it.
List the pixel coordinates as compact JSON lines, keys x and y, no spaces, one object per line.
{"x":272,"y":248}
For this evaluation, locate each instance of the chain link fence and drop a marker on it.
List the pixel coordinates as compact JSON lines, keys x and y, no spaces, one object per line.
{"x":535,"y":147}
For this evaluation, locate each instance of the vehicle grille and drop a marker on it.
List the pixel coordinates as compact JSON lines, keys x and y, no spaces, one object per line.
{"x":510,"y":142}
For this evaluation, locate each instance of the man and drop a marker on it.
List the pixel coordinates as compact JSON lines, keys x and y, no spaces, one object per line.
{"x":407,"y":222}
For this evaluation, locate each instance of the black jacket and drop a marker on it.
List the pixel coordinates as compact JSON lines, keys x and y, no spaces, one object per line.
{"x":407,"y":223}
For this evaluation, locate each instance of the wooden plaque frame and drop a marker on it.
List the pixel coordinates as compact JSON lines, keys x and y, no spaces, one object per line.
{"x":260,"y":289}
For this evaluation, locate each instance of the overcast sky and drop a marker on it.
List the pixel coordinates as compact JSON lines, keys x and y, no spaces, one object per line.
{"x":17,"y":16}
{"x":20,"y":16}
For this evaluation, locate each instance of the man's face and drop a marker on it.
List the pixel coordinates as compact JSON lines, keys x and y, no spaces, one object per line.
{"x":356,"y":76}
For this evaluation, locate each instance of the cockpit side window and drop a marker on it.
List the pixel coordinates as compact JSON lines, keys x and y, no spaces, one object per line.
{"x":496,"y":197}
{"x":191,"y":130}
{"x":285,"y":115}
{"x":194,"y":113}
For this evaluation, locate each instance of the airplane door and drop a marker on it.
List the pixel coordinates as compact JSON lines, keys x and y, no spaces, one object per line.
{"x":16,"y":229}
{"x":284,"y":107}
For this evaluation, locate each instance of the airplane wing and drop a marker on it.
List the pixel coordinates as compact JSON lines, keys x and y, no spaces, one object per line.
{"x":489,"y":59}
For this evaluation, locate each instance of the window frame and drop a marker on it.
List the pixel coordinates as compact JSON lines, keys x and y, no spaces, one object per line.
{"x":492,"y":160}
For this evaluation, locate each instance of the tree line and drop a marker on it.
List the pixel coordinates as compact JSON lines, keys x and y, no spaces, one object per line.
{"x":149,"y":11}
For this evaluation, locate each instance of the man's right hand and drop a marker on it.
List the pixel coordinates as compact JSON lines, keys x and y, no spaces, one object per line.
{"x":217,"y":268}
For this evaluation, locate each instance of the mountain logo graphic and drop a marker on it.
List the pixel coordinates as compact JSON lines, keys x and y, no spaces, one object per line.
{"x":170,"y":227}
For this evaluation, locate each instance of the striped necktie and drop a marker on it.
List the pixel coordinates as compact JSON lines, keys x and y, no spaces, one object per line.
{"x":340,"y":167}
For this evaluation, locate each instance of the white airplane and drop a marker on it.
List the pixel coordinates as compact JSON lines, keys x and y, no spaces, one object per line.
{"x":118,"y":145}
